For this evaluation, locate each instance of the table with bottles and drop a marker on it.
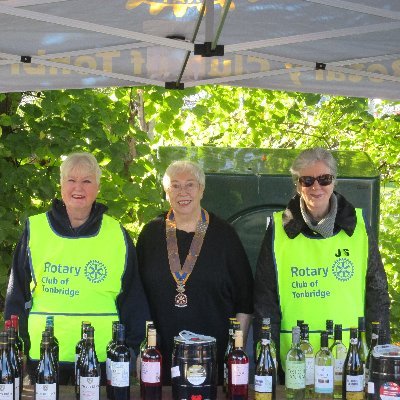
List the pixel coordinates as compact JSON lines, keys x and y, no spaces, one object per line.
{"x":68,"y":393}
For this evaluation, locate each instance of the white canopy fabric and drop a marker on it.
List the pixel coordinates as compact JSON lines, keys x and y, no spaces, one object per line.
{"x":349,"y":48}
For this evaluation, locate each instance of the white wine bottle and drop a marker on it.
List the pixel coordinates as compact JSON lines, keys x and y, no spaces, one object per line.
{"x":265,"y":374}
{"x":339,"y":352}
{"x":308,"y":351}
{"x":324,"y":362}
{"x":295,"y":374}
{"x":353,"y":371}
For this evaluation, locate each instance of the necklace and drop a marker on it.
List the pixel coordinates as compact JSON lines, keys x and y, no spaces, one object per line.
{"x":179,"y":273}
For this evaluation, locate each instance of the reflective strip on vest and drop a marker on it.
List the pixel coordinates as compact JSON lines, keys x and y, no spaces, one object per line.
{"x":320,"y":279}
{"x":75,"y":280}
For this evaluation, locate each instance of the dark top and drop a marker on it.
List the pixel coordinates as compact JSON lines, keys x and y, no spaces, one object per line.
{"x":131,"y":302}
{"x":266,"y":297}
{"x":220,"y":286}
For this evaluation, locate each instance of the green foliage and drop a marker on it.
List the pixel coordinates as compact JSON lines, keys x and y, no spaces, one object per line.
{"x":124,"y":127}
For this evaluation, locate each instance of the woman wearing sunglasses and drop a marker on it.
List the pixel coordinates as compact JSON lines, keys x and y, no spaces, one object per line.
{"x":318,"y":260}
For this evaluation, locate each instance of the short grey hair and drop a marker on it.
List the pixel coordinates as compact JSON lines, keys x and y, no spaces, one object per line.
{"x":311,"y":156}
{"x":79,"y":160}
{"x":181,"y":166}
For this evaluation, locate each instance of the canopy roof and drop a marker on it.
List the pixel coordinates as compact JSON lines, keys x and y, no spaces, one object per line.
{"x":337,"y":47}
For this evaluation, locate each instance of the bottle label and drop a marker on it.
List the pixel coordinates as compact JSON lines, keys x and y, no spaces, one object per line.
{"x":6,"y":391}
{"x":119,"y":374}
{"x":45,"y":391}
{"x":108,"y":370}
{"x":324,"y":379}
{"x":150,"y":372}
{"x":175,"y":372}
{"x":196,"y":374}
{"x":295,"y":375}
{"x":262,"y":396}
{"x":309,"y":370}
{"x":338,"y":371}
{"x":355,"y":383}
{"x":89,"y":387}
{"x":262,"y":384}
{"x":16,"y":387}
{"x":240,"y":374}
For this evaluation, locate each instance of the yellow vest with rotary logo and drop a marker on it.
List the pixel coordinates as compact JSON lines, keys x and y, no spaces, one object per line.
{"x":75,"y":280}
{"x":320,"y":279}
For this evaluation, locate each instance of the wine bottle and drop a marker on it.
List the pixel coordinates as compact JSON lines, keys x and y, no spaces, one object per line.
{"x":55,"y":348}
{"x":20,"y":344}
{"x":329,"y":329}
{"x":234,"y":325}
{"x":339,"y":352}
{"x":89,"y":370}
{"x":109,"y":350}
{"x":374,"y":341}
{"x":266,"y":326}
{"x":238,"y":370}
{"x":265,"y":373}
{"x":120,"y":366}
{"x":6,"y":372}
{"x":308,"y":351}
{"x":79,"y":352}
{"x":143,"y":344}
{"x":353,"y":371}
{"x":46,"y":381}
{"x":324,"y":363}
{"x":295,"y":376}
{"x":15,"y":362}
{"x":150,"y":369}
{"x":362,"y":341}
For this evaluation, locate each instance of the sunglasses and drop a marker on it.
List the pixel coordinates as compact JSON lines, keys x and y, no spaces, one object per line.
{"x":323,"y":180}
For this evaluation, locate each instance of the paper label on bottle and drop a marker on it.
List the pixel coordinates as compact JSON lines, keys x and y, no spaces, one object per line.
{"x":89,"y":387}
{"x":338,"y":371}
{"x":108,"y":370}
{"x":310,"y":370}
{"x":196,"y":374}
{"x":355,"y":383}
{"x":240,"y":374}
{"x":150,"y":372}
{"x":371,"y":387}
{"x":175,"y":372}
{"x":119,"y":374}
{"x":6,"y":391}
{"x":324,"y":378}
{"x":16,"y":387}
{"x":45,"y":391}
{"x":295,"y":377}
{"x":262,"y":384}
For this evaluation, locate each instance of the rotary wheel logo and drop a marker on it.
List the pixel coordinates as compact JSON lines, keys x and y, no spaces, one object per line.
{"x":343,"y":269}
{"x":95,"y":271}
{"x":179,"y":7}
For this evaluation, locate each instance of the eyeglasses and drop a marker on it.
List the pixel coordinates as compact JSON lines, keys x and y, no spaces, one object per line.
{"x":323,"y":180}
{"x":189,"y":187}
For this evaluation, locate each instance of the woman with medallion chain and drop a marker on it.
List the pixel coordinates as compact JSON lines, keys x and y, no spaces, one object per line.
{"x":193,"y":266}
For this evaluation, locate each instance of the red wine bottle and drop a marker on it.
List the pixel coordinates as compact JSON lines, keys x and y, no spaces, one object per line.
{"x":46,"y":381}
{"x":20,"y":344}
{"x":150,"y":370}
{"x":109,"y":351}
{"x":238,"y":371}
{"x":89,"y":370}
{"x":6,"y":370}
{"x":120,"y":366}
{"x":15,"y":362}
